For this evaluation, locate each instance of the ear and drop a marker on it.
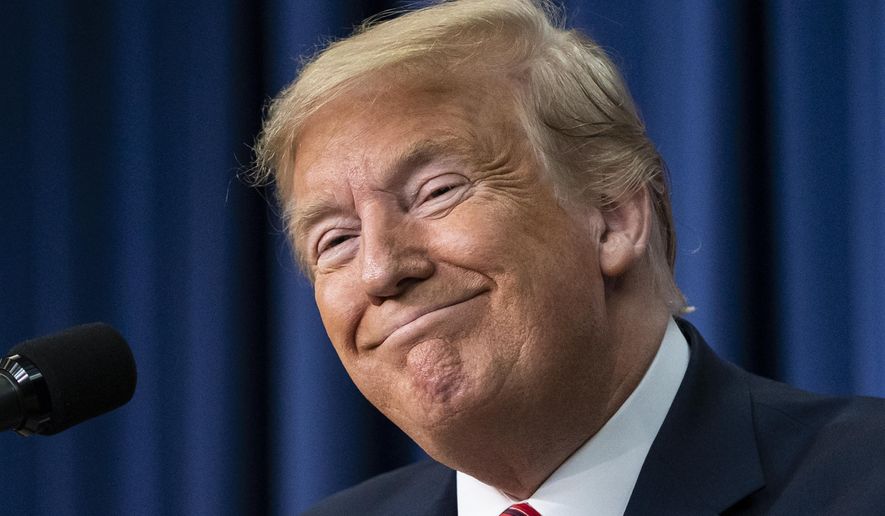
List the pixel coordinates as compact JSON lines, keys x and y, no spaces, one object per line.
{"x":625,"y":238}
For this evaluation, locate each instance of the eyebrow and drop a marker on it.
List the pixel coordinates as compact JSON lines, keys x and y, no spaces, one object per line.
{"x":303,"y":216}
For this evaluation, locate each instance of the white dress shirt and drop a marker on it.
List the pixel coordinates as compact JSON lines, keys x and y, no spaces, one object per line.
{"x":599,"y":478}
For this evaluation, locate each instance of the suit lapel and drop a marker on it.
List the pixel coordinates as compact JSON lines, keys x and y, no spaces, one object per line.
{"x":704,"y":459}
{"x":445,"y":496}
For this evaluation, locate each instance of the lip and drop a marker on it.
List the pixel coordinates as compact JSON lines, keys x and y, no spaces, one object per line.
{"x":412,"y":319}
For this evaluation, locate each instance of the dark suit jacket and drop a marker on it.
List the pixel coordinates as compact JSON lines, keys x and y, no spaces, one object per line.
{"x":732,"y":443}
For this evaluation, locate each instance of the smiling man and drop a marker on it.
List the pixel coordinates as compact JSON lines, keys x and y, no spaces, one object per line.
{"x":448,"y":276}
{"x":487,"y":228}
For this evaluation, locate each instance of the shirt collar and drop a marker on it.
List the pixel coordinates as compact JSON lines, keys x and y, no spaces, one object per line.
{"x":599,"y":477}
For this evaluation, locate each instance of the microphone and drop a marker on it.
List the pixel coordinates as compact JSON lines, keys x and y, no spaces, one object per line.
{"x":52,"y":383}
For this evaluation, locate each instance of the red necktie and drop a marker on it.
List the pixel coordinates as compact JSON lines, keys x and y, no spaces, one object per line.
{"x":521,"y":509}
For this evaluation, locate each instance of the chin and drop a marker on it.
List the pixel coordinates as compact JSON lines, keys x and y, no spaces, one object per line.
{"x":436,"y":405}
{"x":436,"y":412}
{"x":449,"y":431}
{"x":435,"y":373}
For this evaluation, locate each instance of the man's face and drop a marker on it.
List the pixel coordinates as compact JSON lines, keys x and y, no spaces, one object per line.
{"x":455,"y":289}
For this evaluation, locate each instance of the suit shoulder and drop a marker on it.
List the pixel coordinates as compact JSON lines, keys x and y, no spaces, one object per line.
{"x":819,"y":452}
{"x":407,"y":490}
{"x":781,"y":407}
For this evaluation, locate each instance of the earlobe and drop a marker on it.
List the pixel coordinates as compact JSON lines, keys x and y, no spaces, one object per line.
{"x":625,"y":238}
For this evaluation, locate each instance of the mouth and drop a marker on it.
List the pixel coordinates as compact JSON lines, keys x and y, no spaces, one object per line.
{"x":416,"y":320}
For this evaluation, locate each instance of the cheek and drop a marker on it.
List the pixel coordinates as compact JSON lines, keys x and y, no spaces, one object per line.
{"x":340,"y":309}
{"x":373,"y":379}
{"x":474,"y":237}
{"x":541,"y":260}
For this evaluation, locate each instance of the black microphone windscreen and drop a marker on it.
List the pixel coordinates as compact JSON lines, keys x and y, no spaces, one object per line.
{"x":88,"y":370}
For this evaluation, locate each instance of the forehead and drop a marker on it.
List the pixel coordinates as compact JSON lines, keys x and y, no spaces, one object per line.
{"x":362,"y":138}
{"x":379,"y":121}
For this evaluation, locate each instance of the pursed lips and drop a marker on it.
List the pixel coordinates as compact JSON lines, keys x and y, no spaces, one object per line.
{"x":406,"y":316}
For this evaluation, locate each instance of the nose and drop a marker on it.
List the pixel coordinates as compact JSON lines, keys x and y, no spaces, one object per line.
{"x":393,"y":257}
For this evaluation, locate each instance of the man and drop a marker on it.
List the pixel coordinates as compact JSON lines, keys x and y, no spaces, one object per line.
{"x":488,"y":231}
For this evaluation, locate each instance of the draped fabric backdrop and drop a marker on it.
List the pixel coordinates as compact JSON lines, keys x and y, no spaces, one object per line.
{"x":125,"y":125}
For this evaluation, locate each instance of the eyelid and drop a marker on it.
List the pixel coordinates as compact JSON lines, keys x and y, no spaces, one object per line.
{"x":452,"y":181}
{"x":331,"y":235}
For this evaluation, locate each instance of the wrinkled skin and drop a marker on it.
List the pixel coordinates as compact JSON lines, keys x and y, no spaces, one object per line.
{"x":464,"y":301}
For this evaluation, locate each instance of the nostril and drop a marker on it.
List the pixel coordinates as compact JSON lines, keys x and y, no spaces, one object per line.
{"x":387,"y":271}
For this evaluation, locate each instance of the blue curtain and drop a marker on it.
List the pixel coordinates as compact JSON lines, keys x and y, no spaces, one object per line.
{"x":125,"y":125}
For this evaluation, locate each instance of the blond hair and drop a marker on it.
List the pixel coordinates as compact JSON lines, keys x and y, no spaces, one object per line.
{"x":575,"y":108}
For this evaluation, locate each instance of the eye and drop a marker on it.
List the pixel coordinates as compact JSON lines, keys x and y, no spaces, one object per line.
{"x":439,"y":190}
{"x":333,"y":240}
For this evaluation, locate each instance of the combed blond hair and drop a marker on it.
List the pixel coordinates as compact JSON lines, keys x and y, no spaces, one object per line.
{"x":575,"y":108}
